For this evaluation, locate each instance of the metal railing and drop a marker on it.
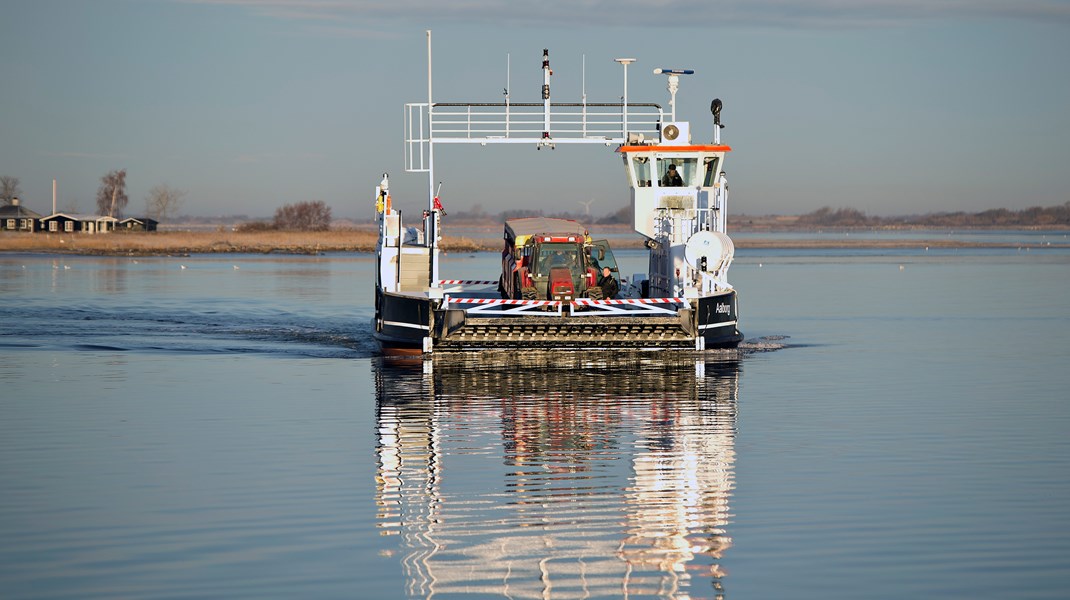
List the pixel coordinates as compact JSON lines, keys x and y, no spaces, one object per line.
{"x":522,"y":123}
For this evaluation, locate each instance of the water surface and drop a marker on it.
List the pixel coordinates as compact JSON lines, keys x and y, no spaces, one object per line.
{"x":893,"y":427}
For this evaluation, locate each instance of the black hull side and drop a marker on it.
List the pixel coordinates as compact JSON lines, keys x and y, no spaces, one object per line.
{"x":402,"y":323}
{"x":717,"y":319}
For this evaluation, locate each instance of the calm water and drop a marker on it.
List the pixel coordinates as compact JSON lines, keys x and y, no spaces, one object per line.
{"x":895,"y":426}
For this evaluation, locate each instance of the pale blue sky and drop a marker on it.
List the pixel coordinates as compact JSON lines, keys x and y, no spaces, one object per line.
{"x":890,"y":106}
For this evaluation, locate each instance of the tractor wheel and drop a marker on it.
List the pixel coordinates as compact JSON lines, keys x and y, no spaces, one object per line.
{"x":594,"y":293}
{"x":529,"y":293}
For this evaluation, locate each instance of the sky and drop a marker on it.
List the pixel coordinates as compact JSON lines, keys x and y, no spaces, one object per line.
{"x":892,"y":107}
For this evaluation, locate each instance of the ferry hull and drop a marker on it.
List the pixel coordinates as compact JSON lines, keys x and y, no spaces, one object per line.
{"x":411,"y":325}
{"x":402,"y":323}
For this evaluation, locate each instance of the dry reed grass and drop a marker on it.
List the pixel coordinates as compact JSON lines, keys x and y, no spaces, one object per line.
{"x":348,"y":240}
{"x":189,"y":242}
{"x":196,"y":242}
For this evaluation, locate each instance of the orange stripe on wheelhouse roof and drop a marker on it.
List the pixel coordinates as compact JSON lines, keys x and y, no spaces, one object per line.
{"x":671,"y":149}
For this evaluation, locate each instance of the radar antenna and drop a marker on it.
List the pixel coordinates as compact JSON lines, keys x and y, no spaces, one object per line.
{"x":674,"y":84}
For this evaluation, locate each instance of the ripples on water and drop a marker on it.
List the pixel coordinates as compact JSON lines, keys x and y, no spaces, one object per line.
{"x":169,"y":329}
{"x":278,"y":305}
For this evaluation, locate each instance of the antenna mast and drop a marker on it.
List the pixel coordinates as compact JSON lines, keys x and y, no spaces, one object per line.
{"x":430,"y":139}
{"x":507,"y":85}
{"x":583,"y":91}
{"x":546,"y":73}
{"x":624,"y":98}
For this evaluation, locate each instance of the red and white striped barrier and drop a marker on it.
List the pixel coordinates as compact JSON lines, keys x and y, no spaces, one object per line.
{"x":589,"y":302}
{"x":466,"y":282}
{"x":510,"y":302}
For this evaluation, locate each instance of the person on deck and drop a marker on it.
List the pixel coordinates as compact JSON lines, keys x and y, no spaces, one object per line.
{"x":609,"y":285}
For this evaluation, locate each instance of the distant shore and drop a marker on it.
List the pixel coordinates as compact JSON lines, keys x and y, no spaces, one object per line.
{"x":177,"y":243}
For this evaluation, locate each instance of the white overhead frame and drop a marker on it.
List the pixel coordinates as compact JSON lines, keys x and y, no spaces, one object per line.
{"x":430,"y":123}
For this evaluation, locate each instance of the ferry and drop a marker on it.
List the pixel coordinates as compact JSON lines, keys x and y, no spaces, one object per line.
{"x":679,"y":194}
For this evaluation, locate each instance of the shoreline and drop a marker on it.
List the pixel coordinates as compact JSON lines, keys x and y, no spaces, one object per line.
{"x":170,"y":243}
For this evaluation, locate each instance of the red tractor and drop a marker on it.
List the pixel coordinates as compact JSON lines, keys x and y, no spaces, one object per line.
{"x":551,"y":259}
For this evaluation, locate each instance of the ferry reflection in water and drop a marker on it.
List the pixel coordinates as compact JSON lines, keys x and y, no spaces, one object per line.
{"x":559,"y":477}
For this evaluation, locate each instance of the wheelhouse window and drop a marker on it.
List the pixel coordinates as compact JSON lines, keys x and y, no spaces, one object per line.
{"x":712,"y":170}
{"x":686,"y":167}
{"x":641,"y":167}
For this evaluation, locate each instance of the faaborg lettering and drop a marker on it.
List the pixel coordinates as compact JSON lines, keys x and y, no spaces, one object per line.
{"x":724,"y":309}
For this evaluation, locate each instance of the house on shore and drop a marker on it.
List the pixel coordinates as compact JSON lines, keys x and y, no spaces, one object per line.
{"x":64,"y":223}
{"x":16,"y":217}
{"x":138,"y":224}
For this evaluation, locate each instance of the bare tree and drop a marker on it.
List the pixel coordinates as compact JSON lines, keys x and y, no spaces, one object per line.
{"x":111,"y":197}
{"x":304,"y":216}
{"x":163,"y":202}
{"x":9,"y":189}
